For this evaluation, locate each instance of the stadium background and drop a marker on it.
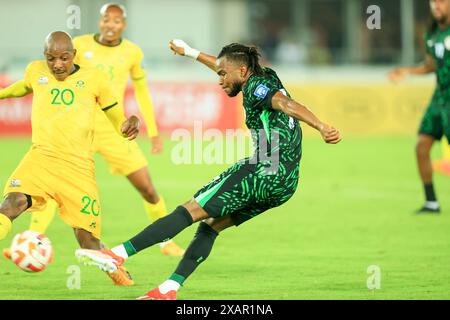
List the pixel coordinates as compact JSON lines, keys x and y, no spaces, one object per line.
{"x":327,"y":58}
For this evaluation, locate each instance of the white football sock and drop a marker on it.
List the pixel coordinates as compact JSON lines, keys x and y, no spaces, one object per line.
{"x":120,"y":251}
{"x":432,"y":205}
{"x":169,"y":285}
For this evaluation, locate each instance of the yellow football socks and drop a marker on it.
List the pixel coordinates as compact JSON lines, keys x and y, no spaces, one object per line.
{"x":5,"y":226}
{"x":40,"y":220}
{"x":157,"y":210}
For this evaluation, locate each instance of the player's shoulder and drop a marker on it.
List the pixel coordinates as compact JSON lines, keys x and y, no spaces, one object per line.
{"x":131,"y":46}
{"x":259,"y":84}
{"x":97,"y":75}
{"x":37,"y":65}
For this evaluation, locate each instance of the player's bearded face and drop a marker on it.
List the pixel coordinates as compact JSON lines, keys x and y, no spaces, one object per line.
{"x":440,"y":9}
{"x":60,"y":63}
{"x":112,"y":24}
{"x":230,"y":77}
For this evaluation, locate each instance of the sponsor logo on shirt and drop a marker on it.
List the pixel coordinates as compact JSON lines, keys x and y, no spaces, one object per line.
{"x":15,"y":183}
{"x":43,"y":80}
{"x":439,"y":50}
{"x":261,"y":91}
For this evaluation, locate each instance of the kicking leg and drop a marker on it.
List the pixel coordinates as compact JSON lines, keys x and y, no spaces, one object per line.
{"x":154,"y":206}
{"x":197,"y":252}
{"x":161,"y":230}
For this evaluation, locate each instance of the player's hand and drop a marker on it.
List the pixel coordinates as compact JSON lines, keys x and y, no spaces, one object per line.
{"x":398,"y":74}
{"x":130,"y":128}
{"x":183,"y":49}
{"x":329,"y":134}
{"x":177,"y":46}
{"x":157,"y":145}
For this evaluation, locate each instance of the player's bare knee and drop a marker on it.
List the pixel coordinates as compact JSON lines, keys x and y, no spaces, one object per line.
{"x":13,"y":205}
{"x":219,"y":224}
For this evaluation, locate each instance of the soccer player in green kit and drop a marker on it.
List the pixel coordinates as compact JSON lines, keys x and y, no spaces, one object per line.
{"x":251,"y":186}
{"x":435,"y":123}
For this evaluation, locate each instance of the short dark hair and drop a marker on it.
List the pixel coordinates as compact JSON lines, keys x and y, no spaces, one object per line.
{"x":248,"y":55}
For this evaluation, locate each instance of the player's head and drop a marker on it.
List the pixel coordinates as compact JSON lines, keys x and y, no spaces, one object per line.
{"x":440,"y":10}
{"x":59,"y":53}
{"x":235,"y":63}
{"x":112,"y":22}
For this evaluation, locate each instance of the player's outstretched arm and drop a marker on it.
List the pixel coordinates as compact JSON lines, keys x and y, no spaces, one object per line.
{"x":128,"y":128}
{"x":16,"y":90}
{"x":399,"y":74}
{"x":300,"y":112}
{"x":183,"y":49}
{"x":146,"y":107}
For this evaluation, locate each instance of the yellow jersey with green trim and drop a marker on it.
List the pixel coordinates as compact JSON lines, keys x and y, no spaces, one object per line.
{"x":63,"y":112}
{"x":120,"y":61}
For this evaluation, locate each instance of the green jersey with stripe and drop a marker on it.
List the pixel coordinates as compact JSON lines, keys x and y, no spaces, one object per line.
{"x":274,"y":134}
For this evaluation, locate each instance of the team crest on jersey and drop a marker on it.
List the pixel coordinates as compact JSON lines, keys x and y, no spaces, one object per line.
{"x":261,"y":91}
{"x":15,"y":183}
{"x":80,"y":84}
{"x":447,"y":43}
{"x":88,"y":54}
{"x":439,"y":50}
{"x":43,"y":80}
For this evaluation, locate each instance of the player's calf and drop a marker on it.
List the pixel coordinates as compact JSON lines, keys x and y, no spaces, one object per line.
{"x":86,"y":240}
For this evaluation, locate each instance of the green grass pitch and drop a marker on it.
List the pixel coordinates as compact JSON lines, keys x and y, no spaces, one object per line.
{"x":353,"y":209}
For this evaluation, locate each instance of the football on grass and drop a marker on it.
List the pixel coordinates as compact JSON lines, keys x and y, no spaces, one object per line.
{"x":31,"y":251}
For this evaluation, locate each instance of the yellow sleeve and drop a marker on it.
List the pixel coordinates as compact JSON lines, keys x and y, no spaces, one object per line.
{"x":145,"y":104}
{"x":108,"y":102}
{"x":137,"y":71}
{"x":20,"y":88}
{"x":16,"y":90}
{"x":116,"y":116}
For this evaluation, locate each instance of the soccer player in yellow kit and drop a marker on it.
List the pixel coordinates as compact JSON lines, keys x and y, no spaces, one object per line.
{"x":120,"y":58}
{"x":59,"y":165}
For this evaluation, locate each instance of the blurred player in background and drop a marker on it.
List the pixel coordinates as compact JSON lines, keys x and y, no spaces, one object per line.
{"x":253,"y":185}
{"x":59,"y":165}
{"x":120,"y":58}
{"x":435,"y":122}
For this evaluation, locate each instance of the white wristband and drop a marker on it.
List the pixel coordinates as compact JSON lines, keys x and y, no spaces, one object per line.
{"x":188,"y":51}
{"x":191,"y":53}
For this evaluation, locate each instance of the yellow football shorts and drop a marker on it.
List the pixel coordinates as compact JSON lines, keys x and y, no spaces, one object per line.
{"x":72,"y":186}
{"x":123,"y":156}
